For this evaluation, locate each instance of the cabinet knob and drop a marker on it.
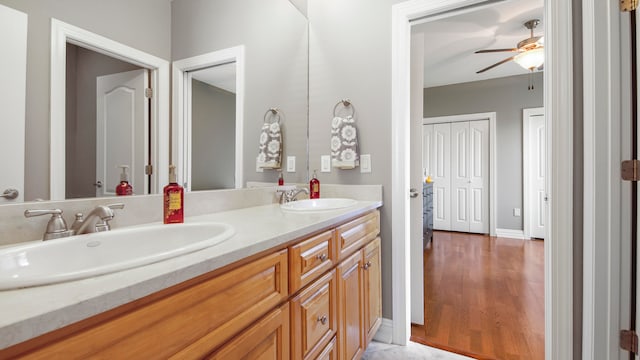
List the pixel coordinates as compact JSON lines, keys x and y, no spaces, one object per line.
{"x":322,"y":257}
{"x":323,"y":319}
{"x":367,"y":265}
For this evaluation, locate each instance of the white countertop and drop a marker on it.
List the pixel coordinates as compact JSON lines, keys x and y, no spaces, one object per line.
{"x":30,"y":312}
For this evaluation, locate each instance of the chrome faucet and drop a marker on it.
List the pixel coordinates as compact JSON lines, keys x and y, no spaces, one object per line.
{"x":290,"y":195}
{"x":97,"y":220}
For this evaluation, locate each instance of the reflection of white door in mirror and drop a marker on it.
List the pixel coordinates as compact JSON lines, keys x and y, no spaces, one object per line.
{"x":13,"y":72}
{"x":121,"y":131}
{"x":227,"y":66}
{"x":63,"y":33}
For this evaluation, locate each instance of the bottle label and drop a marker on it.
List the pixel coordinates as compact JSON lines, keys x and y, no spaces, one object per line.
{"x":315,"y":188}
{"x":174,"y":201}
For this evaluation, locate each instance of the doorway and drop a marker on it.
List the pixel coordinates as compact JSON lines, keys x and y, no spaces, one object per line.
{"x":558,"y":105}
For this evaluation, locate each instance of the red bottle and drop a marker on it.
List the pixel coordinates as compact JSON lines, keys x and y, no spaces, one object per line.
{"x":314,"y":187}
{"x":173,"y":199}
{"x":124,"y":188}
{"x":280,"y":180}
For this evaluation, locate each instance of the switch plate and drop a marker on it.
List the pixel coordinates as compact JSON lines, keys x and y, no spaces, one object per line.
{"x":291,"y":164}
{"x":516,"y":211}
{"x":258,"y":168}
{"x":365,"y":163}
{"x":325,"y":163}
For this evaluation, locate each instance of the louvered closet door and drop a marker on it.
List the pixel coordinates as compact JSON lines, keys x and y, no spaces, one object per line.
{"x":469,"y":176}
{"x":441,"y":175}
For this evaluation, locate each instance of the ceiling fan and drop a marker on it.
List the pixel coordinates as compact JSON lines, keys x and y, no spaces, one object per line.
{"x":530,"y":51}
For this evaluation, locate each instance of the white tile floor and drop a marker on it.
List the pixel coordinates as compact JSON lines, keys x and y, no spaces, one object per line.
{"x":413,"y":351}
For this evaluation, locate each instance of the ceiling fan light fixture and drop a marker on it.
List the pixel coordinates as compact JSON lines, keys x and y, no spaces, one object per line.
{"x":531,"y":59}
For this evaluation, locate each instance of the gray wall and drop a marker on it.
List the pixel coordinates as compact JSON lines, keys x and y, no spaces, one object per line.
{"x":145,"y":25}
{"x":350,"y":57}
{"x":507,"y":97}
{"x":83,"y":66}
{"x":274,"y":33}
{"x":213,"y":132}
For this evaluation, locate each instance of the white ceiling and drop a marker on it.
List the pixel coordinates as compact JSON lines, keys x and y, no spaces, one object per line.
{"x":450,"y":43}
{"x":221,"y":76}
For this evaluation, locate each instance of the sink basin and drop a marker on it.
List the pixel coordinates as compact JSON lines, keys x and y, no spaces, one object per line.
{"x":318,"y":204}
{"x":84,"y":256}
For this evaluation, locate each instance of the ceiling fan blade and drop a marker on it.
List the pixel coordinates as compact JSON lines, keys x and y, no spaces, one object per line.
{"x":496,"y":64}
{"x":496,"y":50}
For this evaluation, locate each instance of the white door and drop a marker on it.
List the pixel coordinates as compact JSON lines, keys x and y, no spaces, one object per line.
{"x":441,"y":175}
{"x":535,"y":173}
{"x":13,"y":72}
{"x":460,"y":176}
{"x":122,"y":128}
{"x":416,"y":207}
{"x":427,"y":151}
{"x":470,"y":176}
{"x":479,"y":176}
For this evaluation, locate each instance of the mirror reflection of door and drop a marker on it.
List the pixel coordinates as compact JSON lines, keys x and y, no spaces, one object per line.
{"x":120,"y":133}
{"x":94,"y":151}
{"x":213,"y":127}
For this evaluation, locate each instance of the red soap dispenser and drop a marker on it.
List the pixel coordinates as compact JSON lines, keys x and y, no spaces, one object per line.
{"x":173,"y":199}
{"x":124,"y":188}
{"x":280,"y":179}
{"x":314,"y":187}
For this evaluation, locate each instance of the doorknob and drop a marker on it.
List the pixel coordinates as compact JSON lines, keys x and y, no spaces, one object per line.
{"x":413,"y":193}
{"x":10,"y":194}
{"x":98,"y":184}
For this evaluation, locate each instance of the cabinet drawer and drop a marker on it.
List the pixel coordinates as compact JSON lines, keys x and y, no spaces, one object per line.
{"x":311,"y":258}
{"x":186,"y":324}
{"x":314,"y":317}
{"x":330,"y":352}
{"x":353,"y":235}
{"x":268,"y":339}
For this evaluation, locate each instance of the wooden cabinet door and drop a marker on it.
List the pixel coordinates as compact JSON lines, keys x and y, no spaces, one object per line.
{"x":372,"y":289}
{"x":268,"y":339}
{"x":314,"y":317}
{"x":351,"y":312}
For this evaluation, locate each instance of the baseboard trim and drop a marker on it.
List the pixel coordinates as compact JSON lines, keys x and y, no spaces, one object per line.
{"x":385,"y":333}
{"x":512,"y":234}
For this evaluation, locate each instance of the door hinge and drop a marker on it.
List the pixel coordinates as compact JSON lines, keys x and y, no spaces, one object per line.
{"x":148,"y":169}
{"x":629,"y":170}
{"x":629,"y":341}
{"x":148,"y":92}
{"x":628,"y":5}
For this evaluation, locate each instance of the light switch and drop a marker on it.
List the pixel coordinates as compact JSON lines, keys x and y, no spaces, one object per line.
{"x":365,"y":163}
{"x":325,"y":163}
{"x":291,"y":164}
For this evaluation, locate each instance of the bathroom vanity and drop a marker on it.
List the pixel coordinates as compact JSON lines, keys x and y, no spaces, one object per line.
{"x":299,"y":286}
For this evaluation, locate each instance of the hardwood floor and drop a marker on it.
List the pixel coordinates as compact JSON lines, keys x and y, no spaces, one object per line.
{"x":484,"y":296}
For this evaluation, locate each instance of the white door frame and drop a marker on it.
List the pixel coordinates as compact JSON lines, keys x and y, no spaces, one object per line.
{"x":526,"y":201}
{"x":63,"y":33}
{"x":182,"y":114}
{"x":493,"y":166}
{"x":558,"y":90}
{"x":602,"y":232}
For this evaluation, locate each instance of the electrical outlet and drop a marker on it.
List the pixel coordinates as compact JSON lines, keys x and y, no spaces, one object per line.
{"x":325,"y":163}
{"x":365,"y":163}
{"x":516,"y":211}
{"x":258,"y":168}
{"x":291,"y":164}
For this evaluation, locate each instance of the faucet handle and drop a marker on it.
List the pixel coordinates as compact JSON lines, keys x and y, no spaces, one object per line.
{"x":56,"y":227}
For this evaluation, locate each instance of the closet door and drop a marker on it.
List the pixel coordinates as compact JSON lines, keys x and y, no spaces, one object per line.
{"x":427,"y":151}
{"x":460,"y":176}
{"x":479,"y":177}
{"x":441,"y":175}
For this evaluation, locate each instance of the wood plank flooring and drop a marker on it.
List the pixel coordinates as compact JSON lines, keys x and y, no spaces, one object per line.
{"x":484,"y":296}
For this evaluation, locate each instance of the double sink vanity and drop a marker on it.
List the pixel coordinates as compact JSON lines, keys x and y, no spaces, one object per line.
{"x":299,"y":281}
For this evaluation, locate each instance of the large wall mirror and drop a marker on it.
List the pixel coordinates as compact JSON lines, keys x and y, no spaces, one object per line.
{"x":274,"y":35}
